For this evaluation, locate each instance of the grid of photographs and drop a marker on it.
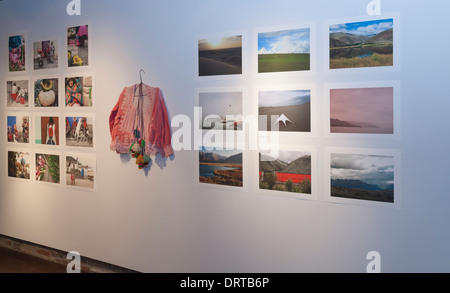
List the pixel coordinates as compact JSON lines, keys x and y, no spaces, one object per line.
{"x":354,"y":112}
{"x":48,"y":142}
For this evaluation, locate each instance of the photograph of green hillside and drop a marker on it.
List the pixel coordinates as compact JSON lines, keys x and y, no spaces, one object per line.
{"x":362,"y":44}
{"x":221,"y":167}
{"x":289,"y":171}
{"x":284,"y":51}
{"x":362,"y":177}
{"x":220,"y":56}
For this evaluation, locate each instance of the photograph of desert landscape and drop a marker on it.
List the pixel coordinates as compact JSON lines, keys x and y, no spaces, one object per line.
{"x":362,"y":177}
{"x":362,"y":110}
{"x":221,"y":111}
{"x":362,"y":44}
{"x":288,"y":110}
{"x":220,"y":56}
{"x":287,"y":50}
{"x":290,"y":171}
{"x":221,"y":167}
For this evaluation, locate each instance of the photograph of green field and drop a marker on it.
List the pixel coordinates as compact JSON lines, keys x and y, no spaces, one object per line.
{"x":284,"y":51}
{"x":362,"y":44}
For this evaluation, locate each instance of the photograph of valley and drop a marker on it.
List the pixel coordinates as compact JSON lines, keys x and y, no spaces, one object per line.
{"x":284,"y":51}
{"x":220,"y":56}
{"x":221,"y":167}
{"x":362,"y":177}
{"x":285,"y":111}
{"x":362,"y":110}
{"x":362,"y":44}
{"x":288,"y":171}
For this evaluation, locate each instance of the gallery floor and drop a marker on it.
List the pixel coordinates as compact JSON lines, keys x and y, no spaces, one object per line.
{"x":16,"y":262}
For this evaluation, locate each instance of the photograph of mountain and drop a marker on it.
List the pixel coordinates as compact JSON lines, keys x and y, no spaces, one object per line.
{"x":362,"y":110}
{"x":290,"y":171}
{"x":221,"y":110}
{"x":221,"y":167}
{"x":288,"y":111}
{"x":220,"y":56}
{"x":362,"y":177}
{"x":362,"y":44}
{"x":287,"y":50}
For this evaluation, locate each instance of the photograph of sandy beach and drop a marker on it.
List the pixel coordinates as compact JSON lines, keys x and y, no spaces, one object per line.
{"x":220,"y":56}
{"x":221,"y":167}
{"x":286,"y":50}
{"x":362,"y":44}
{"x":287,"y":110}
{"x":362,"y":110}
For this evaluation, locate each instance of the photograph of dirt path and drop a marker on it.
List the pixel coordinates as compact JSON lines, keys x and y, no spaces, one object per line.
{"x":220,"y":56}
{"x":282,"y":51}
{"x":362,"y":44}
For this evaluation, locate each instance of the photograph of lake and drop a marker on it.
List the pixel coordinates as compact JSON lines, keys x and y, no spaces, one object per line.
{"x":362,"y":177}
{"x":362,"y":44}
{"x":221,"y":167}
{"x":285,"y":111}
{"x":220,"y":56}
{"x":362,"y":110}
{"x":286,"y":50}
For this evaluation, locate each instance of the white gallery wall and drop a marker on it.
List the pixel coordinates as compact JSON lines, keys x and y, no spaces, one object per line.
{"x":164,"y":221}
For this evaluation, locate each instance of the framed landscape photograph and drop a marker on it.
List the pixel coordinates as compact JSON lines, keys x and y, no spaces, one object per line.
{"x":286,"y":171}
{"x":46,"y":92}
{"x":79,"y":131}
{"x":48,"y":168}
{"x":19,"y":164}
{"x":17,"y":52}
{"x":285,"y":50}
{"x":78,"y":46}
{"x":45,"y":54}
{"x":285,"y":110}
{"x":18,"y":128}
{"x":221,"y":109}
{"x":362,"y":176}
{"x":47,"y":130}
{"x":363,"y":43}
{"x":221,"y":167}
{"x":17,"y":93}
{"x":79,"y":91}
{"x":220,"y":55}
{"x":80,"y":170}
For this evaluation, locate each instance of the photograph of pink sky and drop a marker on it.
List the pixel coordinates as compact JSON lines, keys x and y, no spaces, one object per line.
{"x":362,"y":110}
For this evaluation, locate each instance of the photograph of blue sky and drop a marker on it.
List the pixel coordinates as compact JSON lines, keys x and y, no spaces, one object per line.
{"x":366,"y":28}
{"x":285,"y":42}
{"x":284,"y":98}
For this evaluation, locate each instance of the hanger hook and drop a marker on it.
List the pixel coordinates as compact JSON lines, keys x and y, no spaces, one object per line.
{"x":140,"y":74}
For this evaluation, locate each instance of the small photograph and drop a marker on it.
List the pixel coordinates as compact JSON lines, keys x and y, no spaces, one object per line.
{"x":46,"y":93}
{"x":45,"y":54}
{"x":79,"y":132}
{"x":362,"y":177}
{"x":16,"y":53}
{"x":221,"y":110}
{"x":80,"y":170}
{"x":78,"y":46}
{"x":285,"y":111}
{"x":221,"y":167}
{"x":19,"y":165}
{"x":78,"y":91}
{"x":47,"y":130}
{"x":290,"y":171}
{"x":220,"y":56}
{"x":18,"y":129}
{"x":48,"y":168}
{"x":362,"y":110}
{"x":17,"y":94}
{"x":362,"y":44}
{"x":284,"y":51}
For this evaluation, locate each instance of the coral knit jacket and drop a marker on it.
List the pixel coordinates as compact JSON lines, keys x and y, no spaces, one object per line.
{"x":157,"y":133}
